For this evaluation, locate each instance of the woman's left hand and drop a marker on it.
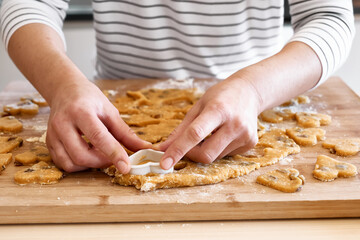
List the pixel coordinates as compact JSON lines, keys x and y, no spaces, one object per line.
{"x":223,"y":122}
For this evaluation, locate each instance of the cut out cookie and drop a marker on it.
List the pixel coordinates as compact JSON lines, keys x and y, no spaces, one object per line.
{"x":277,"y":138}
{"x":5,"y":159}
{"x":23,"y":107}
{"x":328,"y":169}
{"x":307,"y":120}
{"x":35,"y":98}
{"x":343,"y":147}
{"x":301,"y":99}
{"x":285,"y":180}
{"x":7,"y":144}
{"x":186,"y":174}
{"x":306,"y":136}
{"x":40,"y":173}
{"x":35,"y":154}
{"x":263,"y":156}
{"x":271,"y":116}
{"x":10,"y":124}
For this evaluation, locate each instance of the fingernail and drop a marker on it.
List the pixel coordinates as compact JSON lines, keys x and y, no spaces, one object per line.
{"x":122,"y":167}
{"x":167,"y":163}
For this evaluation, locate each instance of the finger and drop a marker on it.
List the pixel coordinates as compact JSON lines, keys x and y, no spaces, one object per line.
{"x":234,"y":149}
{"x":201,"y":127}
{"x":212,"y":147}
{"x":100,"y":138}
{"x":239,"y":147}
{"x":60,"y":156}
{"x":123,"y":133}
{"x":190,"y":116}
{"x":79,"y":151}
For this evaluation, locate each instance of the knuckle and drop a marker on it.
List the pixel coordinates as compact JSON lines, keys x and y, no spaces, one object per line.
{"x":57,"y":123}
{"x":96,"y":136}
{"x":79,"y":160}
{"x":196,"y":133}
{"x":237,"y":124}
{"x":220,"y":108}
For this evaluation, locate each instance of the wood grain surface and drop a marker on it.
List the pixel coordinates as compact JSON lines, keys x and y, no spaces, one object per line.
{"x":91,"y":197}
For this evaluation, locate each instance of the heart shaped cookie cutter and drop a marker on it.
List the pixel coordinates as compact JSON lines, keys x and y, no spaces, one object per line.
{"x":146,"y":161}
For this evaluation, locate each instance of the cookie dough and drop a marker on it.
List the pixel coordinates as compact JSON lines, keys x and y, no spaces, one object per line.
{"x":186,"y":174}
{"x":10,"y":124}
{"x":40,"y":173}
{"x":23,"y":107}
{"x":328,"y":169}
{"x":306,"y":136}
{"x":285,"y":180}
{"x":5,"y":159}
{"x":8,"y":143}
{"x":35,"y":154}
{"x":308,"y":120}
{"x":343,"y":147}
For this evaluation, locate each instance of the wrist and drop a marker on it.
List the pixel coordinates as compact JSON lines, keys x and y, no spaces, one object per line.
{"x":245,"y":83}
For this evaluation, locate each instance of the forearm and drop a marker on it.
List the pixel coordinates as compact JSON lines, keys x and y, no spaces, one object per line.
{"x":294,"y":70}
{"x":38,"y":52}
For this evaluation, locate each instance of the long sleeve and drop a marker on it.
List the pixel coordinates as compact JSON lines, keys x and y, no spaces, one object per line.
{"x":17,"y":13}
{"x":327,"y":26}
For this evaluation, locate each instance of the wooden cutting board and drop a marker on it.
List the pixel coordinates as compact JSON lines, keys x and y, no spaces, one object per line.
{"x":91,"y":197}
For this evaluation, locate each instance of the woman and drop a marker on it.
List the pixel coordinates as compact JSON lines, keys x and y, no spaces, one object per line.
{"x":237,"y":41}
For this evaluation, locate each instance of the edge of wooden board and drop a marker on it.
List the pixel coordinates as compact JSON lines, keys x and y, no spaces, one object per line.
{"x":181,"y":212}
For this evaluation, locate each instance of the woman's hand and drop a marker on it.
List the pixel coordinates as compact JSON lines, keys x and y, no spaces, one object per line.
{"x":223,"y":122}
{"x":78,"y":110}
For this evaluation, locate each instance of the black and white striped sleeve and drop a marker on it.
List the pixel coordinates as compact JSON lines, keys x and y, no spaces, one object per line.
{"x":327,"y":26}
{"x":17,"y":13}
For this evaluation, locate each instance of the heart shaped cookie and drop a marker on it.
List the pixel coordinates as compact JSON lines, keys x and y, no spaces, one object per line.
{"x":328,"y":169}
{"x":343,"y":147}
{"x":8,"y":143}
{"x":306,"y":136}
{"x":35,"y":154}
{"x":10,"y":124}
{"x":41,"y":173}
{"x":285,"y":180}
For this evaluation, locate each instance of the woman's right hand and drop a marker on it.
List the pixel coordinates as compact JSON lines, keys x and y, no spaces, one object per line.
{"x":83,"y":110}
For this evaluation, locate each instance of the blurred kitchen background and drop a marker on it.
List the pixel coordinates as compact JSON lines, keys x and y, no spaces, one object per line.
{"x":80,"y":38}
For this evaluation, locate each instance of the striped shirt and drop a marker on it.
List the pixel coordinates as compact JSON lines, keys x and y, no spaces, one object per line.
{"x":194,"y":38}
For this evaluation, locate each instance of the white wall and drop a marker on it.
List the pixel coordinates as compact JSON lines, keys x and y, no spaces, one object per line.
{"x":81,"y":49}
{"x":80,"y":38}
